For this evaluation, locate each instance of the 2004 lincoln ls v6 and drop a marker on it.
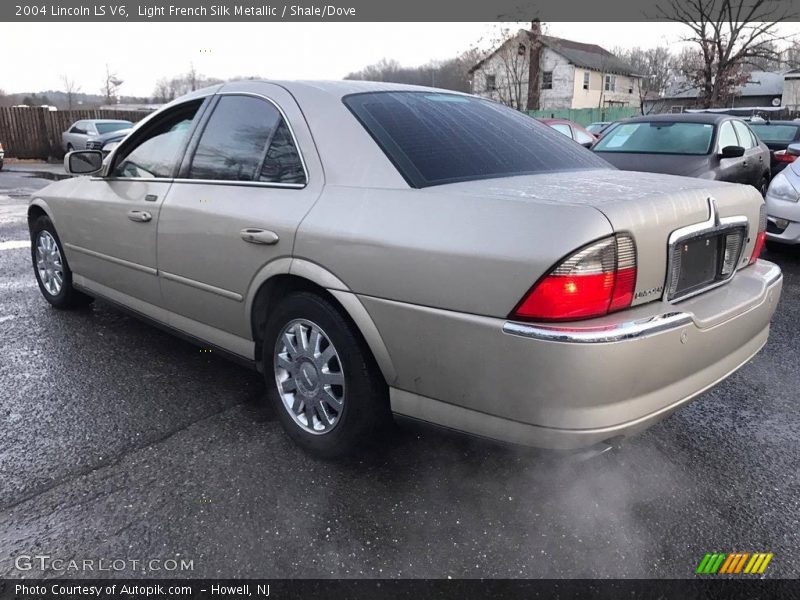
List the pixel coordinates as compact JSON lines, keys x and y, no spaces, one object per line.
{"x":378,"y":248}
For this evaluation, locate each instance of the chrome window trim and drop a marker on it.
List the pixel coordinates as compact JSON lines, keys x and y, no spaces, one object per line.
{"x":600,"y":335}
{"x":294,"y":141}
{"x":265,"y":184}
{"x":714,"y":224}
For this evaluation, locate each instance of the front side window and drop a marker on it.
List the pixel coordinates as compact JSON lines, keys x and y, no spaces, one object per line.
{"x":745,"y":139}
{"x":547,"y":80}
{"x":437,"y":138}
{"x":658,"y":137}
{"x":727,"y":136}
{"x":246,"y":139}
{"x":78,"y":128}
{"x":157,"y":151}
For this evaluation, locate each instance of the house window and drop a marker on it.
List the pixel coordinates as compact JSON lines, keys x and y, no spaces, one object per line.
{"x":611,"y":83}
{"x":491,"y":82}
{"x":630,"y":86}
{"x":676,"y":109}
{"x":586,"y":76}
{"x":547,"y":80}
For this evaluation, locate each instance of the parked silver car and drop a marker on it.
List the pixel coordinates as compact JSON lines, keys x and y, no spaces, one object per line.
{"x":76,"y":136}
{"x":107,"y":141}
{"x":783,"y":203}
{"x":378,"y":248}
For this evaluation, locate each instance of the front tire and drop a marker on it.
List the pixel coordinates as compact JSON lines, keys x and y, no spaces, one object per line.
{"x":321,"y":377}
{"x":51,"y":269}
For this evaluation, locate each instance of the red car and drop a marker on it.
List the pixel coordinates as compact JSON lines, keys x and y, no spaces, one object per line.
{"x":572,"y":130}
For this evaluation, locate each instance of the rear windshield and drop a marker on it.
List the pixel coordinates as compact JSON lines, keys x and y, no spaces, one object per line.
{"x":435,"y":138}
{"x":658,"y":137}
{"x":774,"y":133}
{"x":109,"y":127}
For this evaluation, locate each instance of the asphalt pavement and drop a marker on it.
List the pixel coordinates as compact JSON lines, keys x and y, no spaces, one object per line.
{"x":120,"y":442}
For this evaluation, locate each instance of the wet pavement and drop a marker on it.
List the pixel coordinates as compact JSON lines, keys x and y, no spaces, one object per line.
{"x":118,"y":441}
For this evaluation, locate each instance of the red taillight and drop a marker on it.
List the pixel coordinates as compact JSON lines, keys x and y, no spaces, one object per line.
{"x":761,"y":237}
{"x":783,"y":156}
{"x":592,"y":282}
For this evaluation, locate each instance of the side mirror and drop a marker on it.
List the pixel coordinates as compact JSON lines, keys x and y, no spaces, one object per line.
{"x":83,"y":162}
{"x":793,"y":149}
{"x":732,"y":152}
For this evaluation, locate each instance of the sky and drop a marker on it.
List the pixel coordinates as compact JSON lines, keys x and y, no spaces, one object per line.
{"x":36,"y":55}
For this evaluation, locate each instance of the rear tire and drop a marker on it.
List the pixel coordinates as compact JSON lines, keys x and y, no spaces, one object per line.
{"x":321,"y":377}
{"x":51,"y":269}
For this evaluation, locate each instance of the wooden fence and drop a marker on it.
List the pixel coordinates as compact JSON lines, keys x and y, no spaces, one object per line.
{"x":31,"y":132}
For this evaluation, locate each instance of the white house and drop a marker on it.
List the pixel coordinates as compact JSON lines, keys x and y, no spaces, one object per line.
{"x":570,"y":74}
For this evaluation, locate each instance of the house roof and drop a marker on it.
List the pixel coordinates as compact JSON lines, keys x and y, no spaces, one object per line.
{"x":588,"y":56}
{"x":761,"y":83}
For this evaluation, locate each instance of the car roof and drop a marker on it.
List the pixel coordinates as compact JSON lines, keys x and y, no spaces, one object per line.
{"x":711,"y":118}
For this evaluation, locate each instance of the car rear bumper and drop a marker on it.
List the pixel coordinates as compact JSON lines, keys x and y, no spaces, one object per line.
{"x":578,"y":384}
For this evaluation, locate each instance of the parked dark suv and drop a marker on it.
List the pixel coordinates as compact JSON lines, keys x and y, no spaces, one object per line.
{"x":710,"y":146}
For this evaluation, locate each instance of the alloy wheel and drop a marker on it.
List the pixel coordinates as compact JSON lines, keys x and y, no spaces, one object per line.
{"x":309,"y":376}
{"x":49,"y":263}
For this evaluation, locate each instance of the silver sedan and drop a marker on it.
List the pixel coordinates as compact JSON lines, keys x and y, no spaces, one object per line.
{"x":377,"y":249}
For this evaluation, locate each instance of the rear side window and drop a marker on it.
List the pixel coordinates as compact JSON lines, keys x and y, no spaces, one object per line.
{"x":435,"y":138}
{"x":246,"y":139}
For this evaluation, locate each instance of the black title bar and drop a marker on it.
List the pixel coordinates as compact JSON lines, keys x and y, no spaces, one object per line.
{"x":379,"y":10}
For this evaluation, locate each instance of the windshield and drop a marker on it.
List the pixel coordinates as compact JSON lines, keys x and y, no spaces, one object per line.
{"x":109,"y":127}
{"x":774,"y":133}
{"x":658,"y":137}
{"x":435,"y":138}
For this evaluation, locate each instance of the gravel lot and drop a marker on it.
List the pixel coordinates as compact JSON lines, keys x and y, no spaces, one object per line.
{"x":120,"y":441}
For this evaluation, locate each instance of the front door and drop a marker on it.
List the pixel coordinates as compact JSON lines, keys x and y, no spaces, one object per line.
{"x":242,"y":192}
{"x":112,"y":227}
{"x":731,"y":169}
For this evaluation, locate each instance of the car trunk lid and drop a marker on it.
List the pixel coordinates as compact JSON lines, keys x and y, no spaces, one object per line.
{"x":649,"y":206}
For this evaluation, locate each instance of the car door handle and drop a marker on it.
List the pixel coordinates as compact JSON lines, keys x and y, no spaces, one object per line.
{"x":259,"y":236}
{"x":140,"y":216}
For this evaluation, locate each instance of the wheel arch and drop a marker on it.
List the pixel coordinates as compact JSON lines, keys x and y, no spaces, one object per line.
{"x":277,"y":280}
{"x":36,"y":209}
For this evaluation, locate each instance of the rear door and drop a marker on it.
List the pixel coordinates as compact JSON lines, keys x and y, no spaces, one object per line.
{"x":244,"y":187}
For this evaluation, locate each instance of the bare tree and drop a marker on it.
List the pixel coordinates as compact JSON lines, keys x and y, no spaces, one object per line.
{"x":70,"y":89}
{"x":111,"y":86}
{"x":191,"y":77}
{"x":655,"y":66}
{"x":729,"y":34}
